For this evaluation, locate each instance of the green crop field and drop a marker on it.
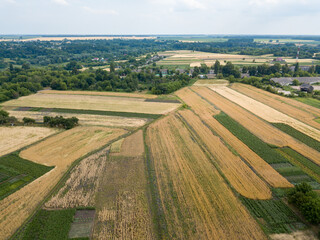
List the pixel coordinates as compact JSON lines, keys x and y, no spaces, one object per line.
{"x":311,"y":142}
{"x":49,"y":225}
{"x":16,"y":172}
{"x":273,"y":215}
{"x":310,"y":101}
{"x":256,"y":144}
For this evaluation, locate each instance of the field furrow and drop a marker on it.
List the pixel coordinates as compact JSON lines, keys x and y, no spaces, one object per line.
{"x":196,"y":201}
{"x":206,"y":111}
{"x":258,"y":127}
{"x":280,"y":104}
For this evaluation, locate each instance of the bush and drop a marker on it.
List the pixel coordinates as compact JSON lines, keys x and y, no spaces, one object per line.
{"x":27,"y":120}
{"x":61,"y":122}
{"x":307,"y":201}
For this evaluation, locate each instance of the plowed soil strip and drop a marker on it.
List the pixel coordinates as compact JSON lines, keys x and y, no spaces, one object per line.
{"x":205,"y":112}
{"x":196,"y":201}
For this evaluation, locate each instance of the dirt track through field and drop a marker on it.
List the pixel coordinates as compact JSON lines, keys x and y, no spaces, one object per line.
{"x":60,"y":151}
{"x":258,"y":127}
{"x":196,"y":201}
{"x":265,"y":112}
{"x":206,"y":111}
{"x":301,"y":114}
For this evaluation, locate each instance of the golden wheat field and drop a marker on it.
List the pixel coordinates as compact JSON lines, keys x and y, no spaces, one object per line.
{"x":196,"y":201}
{"x":122,"y":204}
{"x":115,"y":94}
{"x":295,"y":109}
{"x":206,"y":112}
{"x":102,"y":103}
{"x":257,"y":126}
{"x":84,"y":119}
{"x":240,"y":176}
{"x":14,"y":138}
{"x":60,"y":151}
{"x":265,"y":112}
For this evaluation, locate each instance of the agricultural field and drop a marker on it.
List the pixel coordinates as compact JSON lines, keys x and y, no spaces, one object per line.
{"x":59,"y":151}
{"x":122,"y":207}
{"x":91,"y":102}
{"x":295,"y":110}
{"x":14,"y":138}
{"x":188,"y":182}
{"x":310,"y":101}
{"x":207,"y":112}
{"x":265,"y":112}
{"x":257,"y":126}
{"x":193,"y":58}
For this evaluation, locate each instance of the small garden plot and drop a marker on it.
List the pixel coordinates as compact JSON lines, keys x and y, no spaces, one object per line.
{"x":82,"y":224}
{"x":16,"y":172}
{"x":273,"y":215}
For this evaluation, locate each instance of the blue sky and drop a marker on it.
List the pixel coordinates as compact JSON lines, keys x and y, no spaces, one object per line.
{"x":160,"y":17}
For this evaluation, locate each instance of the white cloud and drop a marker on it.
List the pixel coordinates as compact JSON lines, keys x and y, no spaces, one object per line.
{"x":100,"y":11}
{"x":180,"y":4}
{"x":61,"y":2}
{"x":11,"y":1}
{"x":192,"y":4}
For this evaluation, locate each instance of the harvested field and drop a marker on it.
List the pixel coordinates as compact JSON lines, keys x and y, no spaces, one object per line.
{"x":289,"y":101}
{"x":265,"y":112}
{"x":84,"y":119}
{"x":82,"y":184}
{"x":240,"y":176}
{"x":296,"y":112}
{"x":115,"y":94}
{"x":122,"y":206}
{"x":299,"y":235}
{"x":196,"y":201}
{"x":258,"y":127}
{"x":102,"y":103}
{"x":60,"y":151}
{"x":211,"y":82}
{"x":206,"y":112}
{"x":14,"y":138}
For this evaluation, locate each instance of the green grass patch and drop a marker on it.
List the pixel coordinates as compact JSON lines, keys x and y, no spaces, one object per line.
{"x":49,"y":225}
{"x":265,"y":151}
{"x":92,"y":112}
{"x":273,"y":215}
{"x":310,"y":101}
{"x":16,"y":172}
{"x":311,"y":142}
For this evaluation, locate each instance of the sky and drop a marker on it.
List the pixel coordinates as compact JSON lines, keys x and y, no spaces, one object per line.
{"x":143,"y":17}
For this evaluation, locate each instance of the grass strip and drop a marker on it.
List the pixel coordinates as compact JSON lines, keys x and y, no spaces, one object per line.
{"x":265,"y":151}
{"x":311,"y":142}
{"x":92,"y":112}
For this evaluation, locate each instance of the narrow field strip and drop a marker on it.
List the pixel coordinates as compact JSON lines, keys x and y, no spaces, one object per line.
{"x":265,"y":112}
{"x":196,"y":201}
{"x":206,"y":112}
{"x":240,"y":176}
{"x":297,"y":112}
{"x":60,"y":151}
{"x":266,"y":132}
{"x":100,"y":103}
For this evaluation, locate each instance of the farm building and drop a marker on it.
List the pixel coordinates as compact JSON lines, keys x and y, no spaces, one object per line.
{"x":181,"y":71}
{"x":164,"y":71}
{"x":285,"y":81}
{"x":306,"y":88}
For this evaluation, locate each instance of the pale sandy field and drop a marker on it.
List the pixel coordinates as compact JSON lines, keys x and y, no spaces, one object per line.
{"x":102,"y":103}
{"x":14,"y":138}
{"x":84,"y":119}
{"x":265,"y":112}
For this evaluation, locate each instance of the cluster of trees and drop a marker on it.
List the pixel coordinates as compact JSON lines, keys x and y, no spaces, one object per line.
{"x":307,"y":201}
{"x":61,"y":122}
{"x":6,"y":119}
